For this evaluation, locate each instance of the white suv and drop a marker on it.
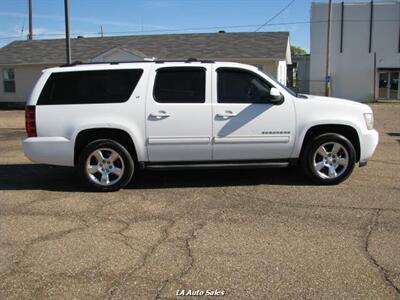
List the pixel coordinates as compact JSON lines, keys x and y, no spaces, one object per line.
{"x":109,"y":119}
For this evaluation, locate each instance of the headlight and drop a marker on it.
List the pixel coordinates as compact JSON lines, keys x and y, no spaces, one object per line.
{"x":369,"y":120}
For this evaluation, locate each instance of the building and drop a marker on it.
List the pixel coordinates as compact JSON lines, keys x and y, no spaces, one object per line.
{"x":21,"y":62}
{"x":298,"y":73}
{"x":364,"y":51}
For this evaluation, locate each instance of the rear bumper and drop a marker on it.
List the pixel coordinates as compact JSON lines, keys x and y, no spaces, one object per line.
{"x":369,"y":142}
{"x":49,"y":150}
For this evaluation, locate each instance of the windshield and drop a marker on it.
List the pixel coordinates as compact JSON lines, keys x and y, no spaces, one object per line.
{"x":289,"y":90}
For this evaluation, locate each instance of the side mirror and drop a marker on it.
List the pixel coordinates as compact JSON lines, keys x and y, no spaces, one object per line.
{"x":275,"y":97}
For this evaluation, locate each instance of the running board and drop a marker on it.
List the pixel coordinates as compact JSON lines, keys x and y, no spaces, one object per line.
{"x":170,"y":166}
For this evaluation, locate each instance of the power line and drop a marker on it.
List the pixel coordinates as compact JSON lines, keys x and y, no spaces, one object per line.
{"x":177,"y":30}
{"x":276,"y":15}
{"x":23,"y":23}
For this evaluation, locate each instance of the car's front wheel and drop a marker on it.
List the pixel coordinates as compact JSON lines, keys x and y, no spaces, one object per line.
{"x":329,"y":158}
{"x":105,"y":166}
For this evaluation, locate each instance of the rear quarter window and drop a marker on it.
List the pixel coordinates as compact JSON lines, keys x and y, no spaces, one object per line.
{"x":89,"y":87}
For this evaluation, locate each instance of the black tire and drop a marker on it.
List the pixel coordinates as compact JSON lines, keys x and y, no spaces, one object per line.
{"x":125,"y":161}
{"x":307,"y":158}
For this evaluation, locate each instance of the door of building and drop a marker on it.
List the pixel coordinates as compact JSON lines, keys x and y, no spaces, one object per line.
{"x":389,"y":85}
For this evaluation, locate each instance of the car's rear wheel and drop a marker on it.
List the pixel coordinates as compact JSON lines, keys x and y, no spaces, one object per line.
{"x":106,"y":166}
{"x":329,"y":158}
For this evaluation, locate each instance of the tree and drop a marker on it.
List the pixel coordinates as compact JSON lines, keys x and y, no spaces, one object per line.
{"x":297,"y":50}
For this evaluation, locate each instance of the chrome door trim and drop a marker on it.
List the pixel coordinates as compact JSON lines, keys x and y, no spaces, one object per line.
{"x":177,"y":140}
{"x":252,"y":139}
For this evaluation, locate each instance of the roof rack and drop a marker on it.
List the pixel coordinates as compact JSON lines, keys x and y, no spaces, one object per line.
{"x":157,"y":61}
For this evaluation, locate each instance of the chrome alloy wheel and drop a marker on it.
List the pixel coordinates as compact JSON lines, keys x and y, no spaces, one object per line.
{"x":105,"y":166}
{"x":330,"y":160}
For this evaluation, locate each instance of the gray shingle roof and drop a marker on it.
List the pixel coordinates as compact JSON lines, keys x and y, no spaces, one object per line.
{"x":239,"y":45}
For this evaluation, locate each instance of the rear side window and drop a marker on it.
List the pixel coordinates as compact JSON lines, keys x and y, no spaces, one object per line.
{"x":84,"y":87}
{"x":180,"y":85}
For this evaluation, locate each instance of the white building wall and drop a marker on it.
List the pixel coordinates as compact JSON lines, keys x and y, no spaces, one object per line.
{"x":352,"y":71}
{"x":267,"y":66}
{"x":274,"y":68}
{"x":25,"y":78}
{"x":282,"y":72}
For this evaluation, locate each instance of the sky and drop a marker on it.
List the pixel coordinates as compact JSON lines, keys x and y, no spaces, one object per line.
{"x":122,"y":17}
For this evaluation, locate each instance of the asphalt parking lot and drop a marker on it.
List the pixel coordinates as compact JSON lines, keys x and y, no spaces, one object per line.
{"x":253,"y":234}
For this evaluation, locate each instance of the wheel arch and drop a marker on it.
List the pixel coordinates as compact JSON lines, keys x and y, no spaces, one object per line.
{"x":85,"y":136}
{"x":347,"y":131}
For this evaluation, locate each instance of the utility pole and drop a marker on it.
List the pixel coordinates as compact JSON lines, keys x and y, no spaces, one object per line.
{"x":328,"y":46}
{"x":30,"y":34}
{"x":67,"y":39}
{"x":101,"y":30}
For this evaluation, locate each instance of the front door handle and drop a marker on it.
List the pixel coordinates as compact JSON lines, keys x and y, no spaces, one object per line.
{"x":160,"y":114}
{"x":227,"y":114}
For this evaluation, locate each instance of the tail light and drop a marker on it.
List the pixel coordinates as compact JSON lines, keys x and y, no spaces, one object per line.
{"x":30,"y":121}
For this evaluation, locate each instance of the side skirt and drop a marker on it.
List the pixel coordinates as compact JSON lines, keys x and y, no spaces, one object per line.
{"x":216,"y":164}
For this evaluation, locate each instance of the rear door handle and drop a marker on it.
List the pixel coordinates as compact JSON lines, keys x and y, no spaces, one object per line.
{"x":227,"y":114}
{"x":160,"y":114}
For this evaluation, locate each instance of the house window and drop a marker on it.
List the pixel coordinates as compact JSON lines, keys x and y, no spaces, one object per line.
{"x":9,"y":80}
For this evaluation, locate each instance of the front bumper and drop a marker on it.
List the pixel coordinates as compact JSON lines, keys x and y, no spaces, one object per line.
{"x":49,"y":150}
{"x":368,"y":143}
